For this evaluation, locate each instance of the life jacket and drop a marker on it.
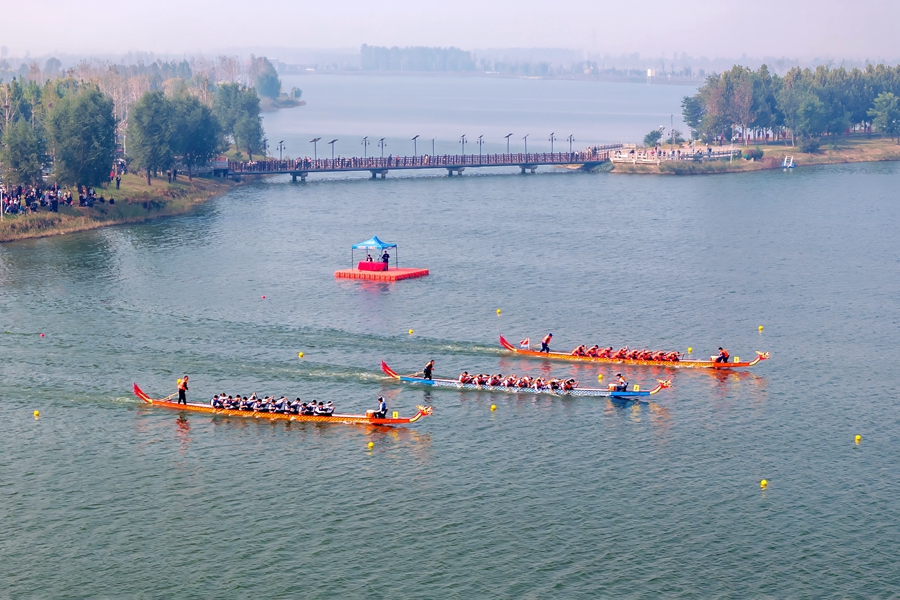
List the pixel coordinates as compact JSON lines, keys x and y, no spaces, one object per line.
{"x":725,"y":354}
{"x":181,"y":384}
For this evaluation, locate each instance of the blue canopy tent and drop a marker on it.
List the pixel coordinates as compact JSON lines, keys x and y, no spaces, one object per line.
{"x":375,"y":244}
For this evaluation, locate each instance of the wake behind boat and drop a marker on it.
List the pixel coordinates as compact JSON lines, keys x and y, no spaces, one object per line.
{"x":562,"y":390}
{"x":367,"y":419}
{"x":649,"y":362}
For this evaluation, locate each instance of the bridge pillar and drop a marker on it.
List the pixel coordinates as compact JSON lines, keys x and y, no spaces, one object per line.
{"x":376,"y":172}
{"x":293,"y":178}
{"x":531,"y":168}
{"x":458,"y":170}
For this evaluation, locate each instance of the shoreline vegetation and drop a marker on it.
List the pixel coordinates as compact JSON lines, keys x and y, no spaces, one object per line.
{"x":849,"y":151}
{"x":135,"y":202}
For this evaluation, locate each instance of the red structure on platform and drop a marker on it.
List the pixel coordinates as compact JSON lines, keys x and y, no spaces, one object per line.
{"x":377,"y":270}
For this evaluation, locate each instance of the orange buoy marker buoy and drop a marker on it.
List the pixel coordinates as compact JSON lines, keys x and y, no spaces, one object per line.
{"x":763,"y":484}
{"x":858,"y":439}
{"x":410,"y":332}
{"x":371,"y":445}
{"x":493,"y":407}
{"x":37,"y":414}
{"x":299,"y":355}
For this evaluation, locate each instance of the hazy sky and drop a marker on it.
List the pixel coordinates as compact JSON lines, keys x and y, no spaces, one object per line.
{"x":796,"y":28}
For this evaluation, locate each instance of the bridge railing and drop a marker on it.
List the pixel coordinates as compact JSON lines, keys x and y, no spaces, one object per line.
{"x":595,"y":154}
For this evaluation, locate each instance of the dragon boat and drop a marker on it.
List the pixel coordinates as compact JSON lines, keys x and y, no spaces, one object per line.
{"x":367,"y":419}
{"x":680,"y":364}
{"x":598,"y":392}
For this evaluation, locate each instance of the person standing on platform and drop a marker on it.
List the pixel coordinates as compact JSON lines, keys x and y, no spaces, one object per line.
{"x":385,"y":258}
{"x":182,"y":390}
{"x":545,"y":343}
{"x":428,"y":369}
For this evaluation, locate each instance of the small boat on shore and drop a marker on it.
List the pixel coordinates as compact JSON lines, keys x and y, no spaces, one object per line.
{"x":679,"y":364}
{"x":367,"y":419}
{"x":577,"y":391}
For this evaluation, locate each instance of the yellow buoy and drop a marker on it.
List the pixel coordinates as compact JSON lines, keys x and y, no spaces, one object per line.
{"x":763,"y":484}
{"x":498,"y":311}
{"x":599,"y":376}
{"x":410,"y":332}
{"x":37,"y":413}
{"x":371,"y":445}
{"x":760,"y":327}
{"x":690,"y":349}
{"x":858,"y":437}
{"x":493,"y":407}
{"x":299,"y":355}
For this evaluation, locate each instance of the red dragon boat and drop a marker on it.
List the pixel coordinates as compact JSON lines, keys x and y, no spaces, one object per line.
{"x":423,"y":411}
{"x":680,"y":364}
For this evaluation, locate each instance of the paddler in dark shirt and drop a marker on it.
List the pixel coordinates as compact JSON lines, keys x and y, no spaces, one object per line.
{"x":428,"y":369}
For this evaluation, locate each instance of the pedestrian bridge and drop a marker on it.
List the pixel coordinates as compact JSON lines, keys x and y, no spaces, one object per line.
{"x":453,"y":163}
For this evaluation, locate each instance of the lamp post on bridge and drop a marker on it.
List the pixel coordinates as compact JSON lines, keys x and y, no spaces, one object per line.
{"x":414,"y":138}
{"x":571,"y":139}
{"x":480,"y":141}
{"x":432,"y":146}
{"x":365,"y":145}
{"x":552,"y":139}
{"x":381,"y":144}
{"x":526,"y":143}
{"x":280,"y":149}
{"x":332,"y":147}
{"x":507,"y":136}
{"x":462,"y":140}
{"x":314,"y":142}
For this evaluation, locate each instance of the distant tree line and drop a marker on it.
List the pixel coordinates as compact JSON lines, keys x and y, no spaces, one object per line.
{"x":73,"y":127}
{"x":804,"y":104}
{"x":415,"y":58}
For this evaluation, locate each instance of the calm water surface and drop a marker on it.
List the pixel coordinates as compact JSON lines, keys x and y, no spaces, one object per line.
{"x":576,"y":498}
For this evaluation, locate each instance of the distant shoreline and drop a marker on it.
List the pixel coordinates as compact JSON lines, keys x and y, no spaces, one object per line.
{"x":848,"y":151}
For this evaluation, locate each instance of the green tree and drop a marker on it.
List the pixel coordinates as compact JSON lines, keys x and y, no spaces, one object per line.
{"x":249,"y":135}
{"x":21,"y":154}
{"x":268,"y":85}
{"x":234,"y":102}
{"x":81,"y":129}
{"x":692,"y":112}
{"x":198,"y":135}
{"x":885,"y":114}
{"x":811,"y":116}
{"x":151,"y":132}
{"x":652,"y":138}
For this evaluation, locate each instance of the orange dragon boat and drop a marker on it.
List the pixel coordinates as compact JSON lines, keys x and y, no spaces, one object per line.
{"x":680,"y":364}
{"x":367,"y":419}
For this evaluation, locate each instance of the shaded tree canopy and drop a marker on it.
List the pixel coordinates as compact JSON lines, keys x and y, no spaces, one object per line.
{"x":81,"y":129}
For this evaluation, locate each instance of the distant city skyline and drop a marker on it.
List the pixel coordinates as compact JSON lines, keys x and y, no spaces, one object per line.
{"x":804,"y":29}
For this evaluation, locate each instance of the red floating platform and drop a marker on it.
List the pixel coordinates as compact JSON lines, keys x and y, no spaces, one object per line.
{"x":393,"y":274}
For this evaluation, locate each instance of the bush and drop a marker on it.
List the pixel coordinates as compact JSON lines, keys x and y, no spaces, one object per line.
{"x":809,"y":145}
{"x":753,"y":154}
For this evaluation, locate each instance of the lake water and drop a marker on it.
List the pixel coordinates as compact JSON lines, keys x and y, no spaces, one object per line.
{"x":543,"y":498}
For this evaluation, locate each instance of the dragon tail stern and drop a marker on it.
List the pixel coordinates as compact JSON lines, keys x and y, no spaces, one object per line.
{"x":506,"y":344}
{"x":389,"y":371}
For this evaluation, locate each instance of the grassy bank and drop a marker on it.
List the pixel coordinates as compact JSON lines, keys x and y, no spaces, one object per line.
{"x":135,"y":202}
{"x":848,"y":151}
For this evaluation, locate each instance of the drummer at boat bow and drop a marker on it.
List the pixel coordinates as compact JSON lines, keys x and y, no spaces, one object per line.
{"x":723,"y":355}
{"x":426,"y":372}
{"x":545,"y":343}
{"x":182,"y":390}
{"x":621,"y":383}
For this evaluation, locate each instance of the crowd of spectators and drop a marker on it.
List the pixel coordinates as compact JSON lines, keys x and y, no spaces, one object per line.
{"x":16,"y":200}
